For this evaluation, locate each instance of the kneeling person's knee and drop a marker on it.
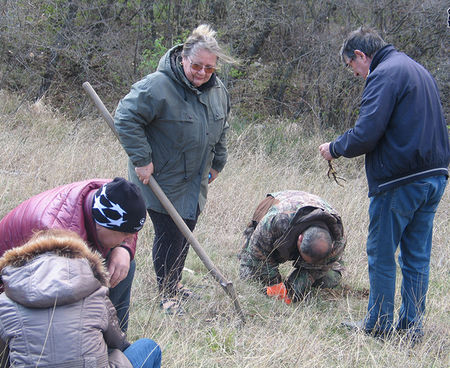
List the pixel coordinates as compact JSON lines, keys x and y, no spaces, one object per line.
{"x":330,"y":280}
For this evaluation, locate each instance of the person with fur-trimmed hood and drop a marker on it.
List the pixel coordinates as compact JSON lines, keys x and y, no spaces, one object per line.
{"x":55,"y":311}
{"x":106,"y":214}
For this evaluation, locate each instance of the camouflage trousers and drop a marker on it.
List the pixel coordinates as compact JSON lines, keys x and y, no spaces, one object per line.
{"x":300,"y":281}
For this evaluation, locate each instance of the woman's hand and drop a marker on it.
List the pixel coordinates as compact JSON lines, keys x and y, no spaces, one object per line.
{"x":213,"y":174}
{"x":144,"y":172}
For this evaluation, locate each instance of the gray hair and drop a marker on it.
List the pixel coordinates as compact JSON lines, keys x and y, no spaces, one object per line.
{"x":311,"y":236}
{"x":363,"y":39}
{"x":203,"y":37}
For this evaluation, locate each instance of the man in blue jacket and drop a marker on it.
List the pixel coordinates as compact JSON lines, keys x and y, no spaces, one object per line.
{"x":402,"y":131}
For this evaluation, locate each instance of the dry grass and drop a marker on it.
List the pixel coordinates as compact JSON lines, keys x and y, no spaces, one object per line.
{"x":41,"y":149}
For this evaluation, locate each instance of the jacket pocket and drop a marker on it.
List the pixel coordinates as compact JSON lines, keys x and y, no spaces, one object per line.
{"x":216,"y":125}
{"x":160,"y":167}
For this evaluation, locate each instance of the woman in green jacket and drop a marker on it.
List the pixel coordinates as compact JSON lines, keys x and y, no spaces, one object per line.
{"x":173,"y":126}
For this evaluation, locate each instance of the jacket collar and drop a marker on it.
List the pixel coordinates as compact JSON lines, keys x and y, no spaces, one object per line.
{"x":380,"y":56}
{"x":286,"y":246}
{"x":170,"y":64}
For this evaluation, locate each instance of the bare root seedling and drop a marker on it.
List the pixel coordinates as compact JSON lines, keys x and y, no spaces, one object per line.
{"x":332,"y":173}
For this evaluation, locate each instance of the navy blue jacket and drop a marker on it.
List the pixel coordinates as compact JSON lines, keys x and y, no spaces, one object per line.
{"x":401,"y":126}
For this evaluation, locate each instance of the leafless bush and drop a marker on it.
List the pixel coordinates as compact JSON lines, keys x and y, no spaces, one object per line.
{"x":302,"y":73}
{"x":288,"y":49}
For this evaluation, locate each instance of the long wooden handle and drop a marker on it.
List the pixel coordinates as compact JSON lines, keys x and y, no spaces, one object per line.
{"x":168,"y":206}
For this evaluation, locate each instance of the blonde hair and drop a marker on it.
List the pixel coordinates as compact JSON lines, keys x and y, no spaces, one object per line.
{"x":203,"y":37}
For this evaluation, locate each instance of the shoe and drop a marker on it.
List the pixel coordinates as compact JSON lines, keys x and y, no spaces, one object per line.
{"x":171,"y":306}
{"x":359,"y":326}
{"x":186,"y":293}
{"x":410,"y":335}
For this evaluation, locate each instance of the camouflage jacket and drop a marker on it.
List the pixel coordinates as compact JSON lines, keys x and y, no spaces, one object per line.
{"x":272,"y":239}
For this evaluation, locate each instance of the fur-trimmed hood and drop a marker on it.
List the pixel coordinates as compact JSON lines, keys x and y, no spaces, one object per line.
{"x":54,"y":267}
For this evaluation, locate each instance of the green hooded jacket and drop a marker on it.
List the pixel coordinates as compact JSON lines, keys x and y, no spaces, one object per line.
{"x":166,"y":120}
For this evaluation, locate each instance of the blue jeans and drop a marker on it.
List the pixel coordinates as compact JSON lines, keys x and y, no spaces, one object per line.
{"x":401,"y":217}
{"x":144,"y":353}
{"x":120,"y":297}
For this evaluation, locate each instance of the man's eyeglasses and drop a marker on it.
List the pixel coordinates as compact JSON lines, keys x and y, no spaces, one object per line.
{"x":198,"y":67}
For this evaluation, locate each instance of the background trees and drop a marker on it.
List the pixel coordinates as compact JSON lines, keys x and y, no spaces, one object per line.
{"x":288,"y":49}
{"x":290,"y":78}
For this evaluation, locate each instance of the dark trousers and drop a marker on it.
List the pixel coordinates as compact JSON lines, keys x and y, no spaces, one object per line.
{"x":170,"y":249}
{"x":120,"y":297}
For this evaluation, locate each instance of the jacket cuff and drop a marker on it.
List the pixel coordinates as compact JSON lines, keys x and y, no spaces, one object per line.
{"x":333,"y":151}
{"x":218,"y":165}
{"x":143,"y":162}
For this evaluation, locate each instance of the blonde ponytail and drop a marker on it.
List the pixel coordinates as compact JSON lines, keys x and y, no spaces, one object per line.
{"x":203,"y":37}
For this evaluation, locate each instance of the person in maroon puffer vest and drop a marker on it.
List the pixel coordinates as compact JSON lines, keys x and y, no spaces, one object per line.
{"x":106,"y":214}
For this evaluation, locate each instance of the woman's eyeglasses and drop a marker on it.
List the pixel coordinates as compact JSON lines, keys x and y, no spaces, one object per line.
{"x":199,"y":67}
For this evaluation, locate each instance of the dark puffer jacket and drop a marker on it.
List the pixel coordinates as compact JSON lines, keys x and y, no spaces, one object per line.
{"x":55,"y":311}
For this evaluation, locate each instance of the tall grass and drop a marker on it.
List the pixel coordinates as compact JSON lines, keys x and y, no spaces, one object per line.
{"x":41,"y":149}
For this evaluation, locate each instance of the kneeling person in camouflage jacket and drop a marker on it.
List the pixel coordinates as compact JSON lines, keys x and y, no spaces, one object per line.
{"x":297,"y":226}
